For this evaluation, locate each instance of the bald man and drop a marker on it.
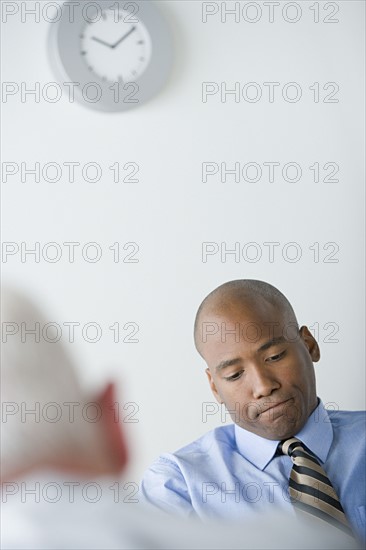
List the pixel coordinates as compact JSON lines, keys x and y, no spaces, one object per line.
{"x":284,"y":445}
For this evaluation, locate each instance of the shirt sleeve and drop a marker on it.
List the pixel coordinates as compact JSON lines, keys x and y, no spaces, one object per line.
{"x":164,"y":486}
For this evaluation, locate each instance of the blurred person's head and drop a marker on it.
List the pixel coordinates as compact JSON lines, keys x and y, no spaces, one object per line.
{"x":260,"y":362}
{"x":47,"y":419}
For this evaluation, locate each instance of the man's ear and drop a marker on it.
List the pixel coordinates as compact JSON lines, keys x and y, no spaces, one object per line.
{"x":112,"y":429}
{"x":213,"y":386}
{"x":310,"y":343}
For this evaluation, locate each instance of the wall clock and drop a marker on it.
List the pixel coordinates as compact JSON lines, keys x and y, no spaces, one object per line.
{"x":111,"y":55}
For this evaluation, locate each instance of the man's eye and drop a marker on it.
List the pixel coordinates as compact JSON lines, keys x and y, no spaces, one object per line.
{"x":276,"y":357}
{"x":235,"y":376}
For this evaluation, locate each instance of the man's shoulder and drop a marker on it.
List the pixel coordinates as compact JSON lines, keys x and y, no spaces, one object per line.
{"x":353,"y":420}
{"x":346,"y":416}
{"x":222,"y":437}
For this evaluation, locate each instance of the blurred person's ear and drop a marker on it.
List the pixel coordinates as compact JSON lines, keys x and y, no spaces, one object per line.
{"x":96,"y":450}
{"x":111,"y":431}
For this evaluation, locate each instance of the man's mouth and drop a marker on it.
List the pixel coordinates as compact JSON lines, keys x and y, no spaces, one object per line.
{"x":274,"y":406}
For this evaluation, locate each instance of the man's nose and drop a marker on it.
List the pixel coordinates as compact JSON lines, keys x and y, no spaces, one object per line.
{"x":263,"y":382}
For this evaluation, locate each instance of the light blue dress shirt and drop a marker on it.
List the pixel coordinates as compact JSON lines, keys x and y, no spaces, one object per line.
{"x":232,"y":473}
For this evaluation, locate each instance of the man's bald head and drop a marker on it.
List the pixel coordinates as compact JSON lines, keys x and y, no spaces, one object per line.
{"x":241,"y":294}
{"x":259,"y":362}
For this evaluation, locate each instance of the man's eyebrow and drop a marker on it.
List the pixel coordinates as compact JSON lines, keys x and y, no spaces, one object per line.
{"x":227,"y":363}
{"x":263,"y":347}
{"x":272,"y":342}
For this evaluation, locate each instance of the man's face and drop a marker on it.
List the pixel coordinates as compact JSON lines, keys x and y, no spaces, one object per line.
{"x":261,"y":367}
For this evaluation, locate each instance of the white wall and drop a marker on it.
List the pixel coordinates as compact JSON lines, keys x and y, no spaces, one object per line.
{"x":171,"y":212}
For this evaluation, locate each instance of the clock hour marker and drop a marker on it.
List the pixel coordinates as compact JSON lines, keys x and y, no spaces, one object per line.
{"x":142,"y":59}
{"x":104,"y":15}
{"x":83,"y":53}
{"x":140,"y":42}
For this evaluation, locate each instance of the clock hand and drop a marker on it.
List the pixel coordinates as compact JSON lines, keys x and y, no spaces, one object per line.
{"x":102,"y":42}
{"x":123,"y":37}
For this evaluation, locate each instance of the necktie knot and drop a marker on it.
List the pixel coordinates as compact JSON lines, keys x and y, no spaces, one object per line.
{"x":289,"y":446}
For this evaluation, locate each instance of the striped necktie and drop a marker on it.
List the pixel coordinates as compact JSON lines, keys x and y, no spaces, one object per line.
{"x":310,"y":487}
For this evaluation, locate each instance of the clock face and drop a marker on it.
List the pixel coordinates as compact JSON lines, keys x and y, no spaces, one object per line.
{"x":114,"y":42}
{"x":117,"y":47}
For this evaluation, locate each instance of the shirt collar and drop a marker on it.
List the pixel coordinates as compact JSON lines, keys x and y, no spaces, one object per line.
{"x":317,"y":435}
